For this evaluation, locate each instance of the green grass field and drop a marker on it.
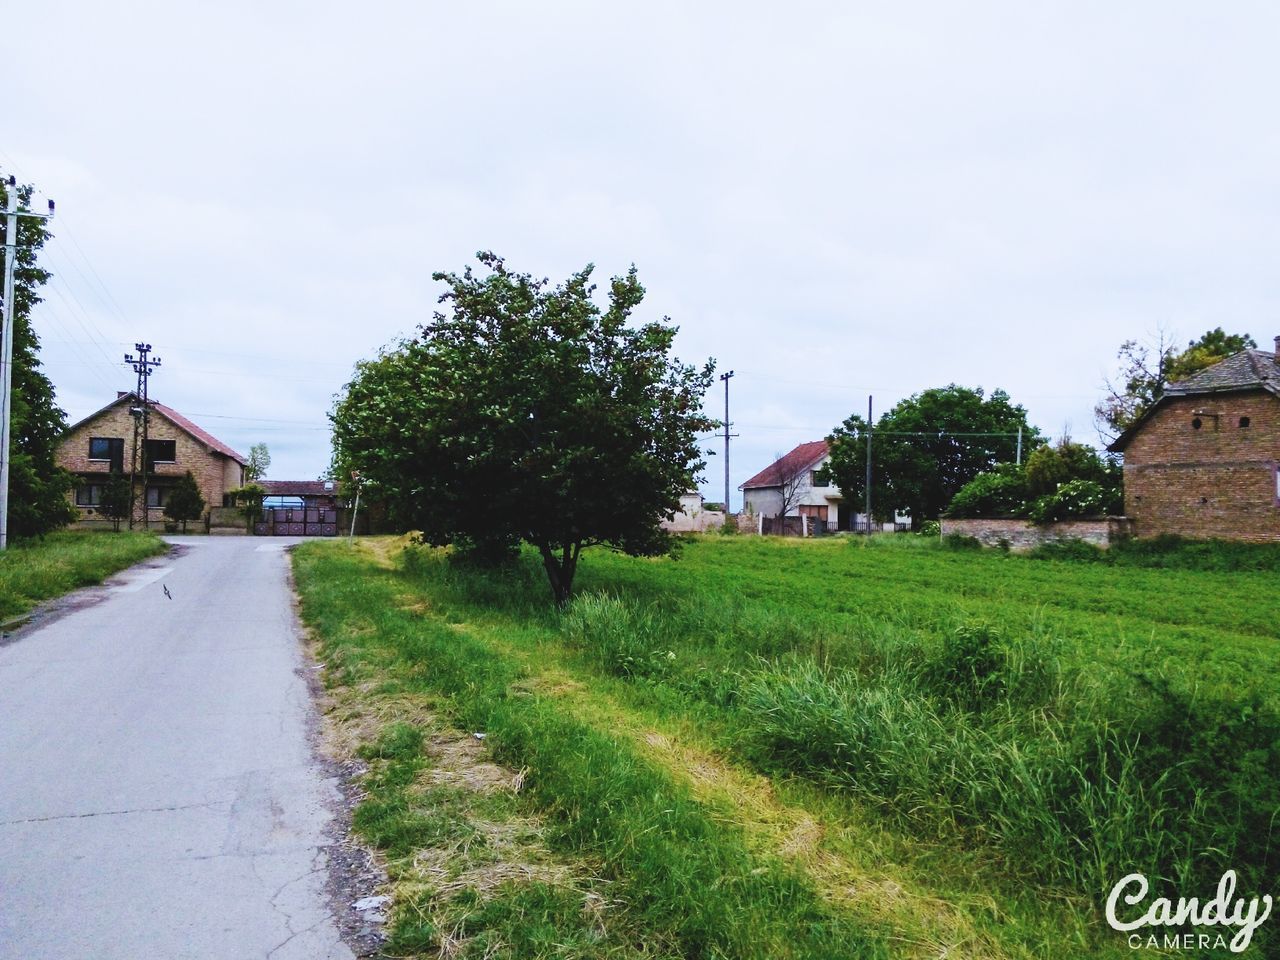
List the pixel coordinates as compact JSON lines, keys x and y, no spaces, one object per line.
{"x":831,"y":748}
{"x":37,"y":570}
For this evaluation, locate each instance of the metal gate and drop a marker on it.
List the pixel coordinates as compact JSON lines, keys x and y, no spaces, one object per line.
{"x":298,"y":522}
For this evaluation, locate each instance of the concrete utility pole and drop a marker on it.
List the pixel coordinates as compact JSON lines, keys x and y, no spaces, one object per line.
{"x":869,"y":466}
{"x":12,"y":213}
{"x":726,"y":377}
{"x":142,"y":366}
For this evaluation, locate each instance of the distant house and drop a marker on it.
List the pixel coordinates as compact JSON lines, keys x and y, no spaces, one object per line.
{"x":693,"y":517}
{"x":299,"y":508}
{"x":1204,"y":461}
{"x":104,"y":442}
{"x":793,"y":481}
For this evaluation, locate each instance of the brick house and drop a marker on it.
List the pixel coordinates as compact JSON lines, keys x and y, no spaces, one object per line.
{"x":1204,"y":461}
{"x":103,"y":442}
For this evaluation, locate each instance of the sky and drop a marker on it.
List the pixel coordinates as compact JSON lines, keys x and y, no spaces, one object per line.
{"x":835,"y":201}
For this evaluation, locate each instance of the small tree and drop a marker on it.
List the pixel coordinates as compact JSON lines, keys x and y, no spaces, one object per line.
{"x":117,"y":499}
{"x":259,"y":461}
{"x":529,"y":414}
{"x":249,"y":499}
{"x":185,"y":502}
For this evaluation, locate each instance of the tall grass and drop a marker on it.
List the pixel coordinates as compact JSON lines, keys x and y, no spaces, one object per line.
{"x":35,"y":570}
{"x":1080,"y":721}
{"x":683,"y":875}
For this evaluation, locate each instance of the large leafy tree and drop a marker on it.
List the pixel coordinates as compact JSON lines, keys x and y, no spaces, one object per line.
{"x":38,"y":489}
{"x":527,"y":413}
{"x":926,"y":448}
{"x":1146,"y":368}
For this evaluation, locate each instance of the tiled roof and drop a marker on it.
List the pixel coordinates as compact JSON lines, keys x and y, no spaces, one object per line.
{"x":797,"y":460}
{"x":199,"y":433}
{"x":299,"y":488}
{"x":208,"y":439}
{"x":1246,"y":370}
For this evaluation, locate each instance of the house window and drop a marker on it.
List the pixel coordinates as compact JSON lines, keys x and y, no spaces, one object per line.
{"x":1197,"y":423}
{"x":89,"y":495}
{"x":1244,"y":423}
{"x":158,"y":496}
{"x":109,"y":450}
{"x":815,"y":479}
{"x":161,"y":451}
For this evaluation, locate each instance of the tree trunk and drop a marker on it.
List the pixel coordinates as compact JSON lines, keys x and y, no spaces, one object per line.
{"x":560,"y":569}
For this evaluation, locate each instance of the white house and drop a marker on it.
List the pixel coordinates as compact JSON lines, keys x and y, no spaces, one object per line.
{"x":693,"y":517}
{"x":792,"y":482}
{"x":793,"y":479}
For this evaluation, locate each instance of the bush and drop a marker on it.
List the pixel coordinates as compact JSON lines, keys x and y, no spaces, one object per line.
{"x":930,"y":528}
{"x":1001,"y":492}
{"x":960,"y":541}
{"x":1073,"y":499}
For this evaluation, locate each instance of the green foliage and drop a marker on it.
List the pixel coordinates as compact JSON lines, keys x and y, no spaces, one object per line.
{"x":930,"y":528}
{"x":624,"y":637}
{"x":258,"y":464}
{"x":1145,"y":370}
{"x":117,"y":498}
{"x":1073,"y":499}
{"x":1063,"y":481}
{"x":38,"y":487}
{"x":36,"y":570}
{"x":185,"y":502}
{"x":249,"y":499}
{"x":528,"y":413}
{"x":926,"y":448}
{"x":961,"y":541}
{"x":1001,"y":492}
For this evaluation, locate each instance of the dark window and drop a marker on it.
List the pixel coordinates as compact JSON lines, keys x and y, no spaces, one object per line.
{"x":162,"y":451}
{"x":108,"y":448}
{"x":1197,"y":423}
{"x":1244,"y":422}
{"x":89,"y":495}
{"x":157,"y":496}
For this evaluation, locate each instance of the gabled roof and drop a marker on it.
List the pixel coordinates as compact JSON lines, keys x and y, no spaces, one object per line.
{"x":299,"y":488}
{"x":1246,"y":370}
{"x":174,"y":417}
{"x":796,"y":461}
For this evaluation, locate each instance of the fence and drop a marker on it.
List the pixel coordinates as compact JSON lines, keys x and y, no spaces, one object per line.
{"x":793,"y":526}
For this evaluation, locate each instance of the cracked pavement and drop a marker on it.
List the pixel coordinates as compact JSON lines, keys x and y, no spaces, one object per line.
{"x":159,"y":792}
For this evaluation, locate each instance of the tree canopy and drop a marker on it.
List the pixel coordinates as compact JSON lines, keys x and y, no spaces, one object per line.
{"x":1146,"y":368}
{"x":258,"y":464}
{"x":37,"y":486}
{"x":926,"y":448}
{"x":525,"y":412}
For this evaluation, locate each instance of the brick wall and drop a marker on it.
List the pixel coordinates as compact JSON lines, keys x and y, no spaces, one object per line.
{"x":209,"y":468}
{"x":1216,"y":481}
{"x":1022,"y":535}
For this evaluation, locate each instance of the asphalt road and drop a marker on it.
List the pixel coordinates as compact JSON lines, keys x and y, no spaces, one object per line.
{"x":159,"y":797}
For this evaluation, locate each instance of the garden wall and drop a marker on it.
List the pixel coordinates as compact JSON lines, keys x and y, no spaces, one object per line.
{"x":1022,"y":535}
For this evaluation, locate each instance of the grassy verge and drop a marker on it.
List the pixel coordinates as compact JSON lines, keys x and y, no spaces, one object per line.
{"x":683,"y":879}
{"x":38,"y":570}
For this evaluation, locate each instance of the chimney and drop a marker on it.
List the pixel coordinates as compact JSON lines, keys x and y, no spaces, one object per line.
{"x":1277,"y":349}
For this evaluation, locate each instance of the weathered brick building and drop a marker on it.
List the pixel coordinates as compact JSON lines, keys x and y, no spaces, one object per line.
{"x":1204,"y":461}
{"x":103,"y":442}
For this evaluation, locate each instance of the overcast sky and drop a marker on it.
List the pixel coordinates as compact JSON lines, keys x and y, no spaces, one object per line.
{"x":832,"y":200}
